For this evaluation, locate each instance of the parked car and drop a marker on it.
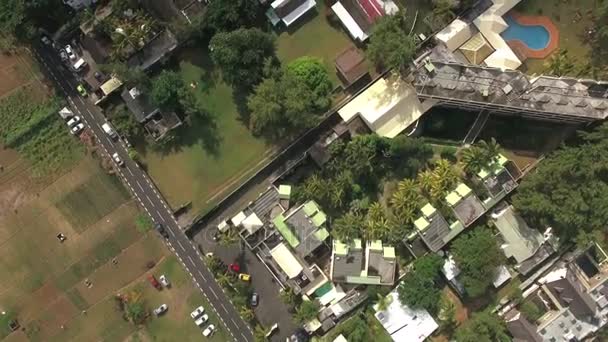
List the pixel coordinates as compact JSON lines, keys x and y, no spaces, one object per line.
{"x":244,"y":277}
{"x":255,"y":298}
{"x":117,"y":159}
{"x":68,"y":49}
{"x":202,"y":320}
{"x":77,"y":129}
{"x":161,"y":309}
{"x":197,"y":312}
{"x":82,"y":91}
{"x":73,"y":121}
{"x":234,"y":267}
{"x":98,"y":76}
{"x":45,"y":40}
{"x":109,"y":130}
{"x":209,"y":330}
{"x":161,"y":230}
{"x":154,"y":282}
{"x":164,"y":281}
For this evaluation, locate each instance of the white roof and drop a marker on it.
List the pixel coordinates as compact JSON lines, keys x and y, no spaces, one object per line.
{"x":286,"y":260}
{"x":455,"y":34}
{"x":238,"y":219}
{"x":332,"y":296}
{"x":450,"y":269}
{"x":502,"y":276}
{"x":347,"y":20}
{"x":340,"y":338}
{"x":252,"y":223}
{"x":65,"y":113}
{"x":388,"y":106}
{"x":111,"y":85}
{"x":491,"y":24}
{"x":79,"y":63}
{"x":223,"y":226}
{"x":296,"y":13}
{"x":521,"y":241}
{"x":405,"y":324}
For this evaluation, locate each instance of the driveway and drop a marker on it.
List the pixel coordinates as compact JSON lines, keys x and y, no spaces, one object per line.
{"x":271,"y":309}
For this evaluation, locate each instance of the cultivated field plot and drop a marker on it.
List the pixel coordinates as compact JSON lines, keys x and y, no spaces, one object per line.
{"x":15,"y":71}
{"x":91,"y":201}
{"x":210,"y":159}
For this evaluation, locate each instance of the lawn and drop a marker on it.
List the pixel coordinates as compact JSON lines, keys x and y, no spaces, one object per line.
{"x":314,"y":35}
{"x":91,"y":201}
{"x":572,"y":18}
{"x":209,"y":161}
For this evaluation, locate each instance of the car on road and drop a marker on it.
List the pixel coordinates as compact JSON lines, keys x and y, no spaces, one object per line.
{"x":117,"y":159}
{"x":161,"y":230}
{"x":255,"y":299}
{"x":161,"y":309}
{"x":202,"y":320}
{"x":244,"y":277}
{"x":209,"y":330}
{"x":73,"y":121}
{"x":152,"y":280}
{"x":234,"y":267}
{"x":82,"y":91}
{"x":197,"y":312}
{"x":68,"y":49}
{"x":164,"y":281}
{"x":109,"y":130}
{"x":77,"y":129}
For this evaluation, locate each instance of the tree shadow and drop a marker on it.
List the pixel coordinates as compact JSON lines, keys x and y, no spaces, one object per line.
{"x":239,"y":96}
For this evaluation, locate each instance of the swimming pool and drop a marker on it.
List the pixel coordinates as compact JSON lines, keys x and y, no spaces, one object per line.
{"x":536,"y":37}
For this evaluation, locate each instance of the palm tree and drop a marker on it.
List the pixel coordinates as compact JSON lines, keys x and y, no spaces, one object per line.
{"x":347,"y":227}
{"x":560,"y":63}
{"x":405,"y":201}
{"x":383,"y":302}
{"x":247,"y":314}
{"x":490,"y":149}
{"x":426,"y":180}
{"x":224,"y":279}
{"x":473,"y":160}
{"x":288,"y":297}
{"x":259,"y":333}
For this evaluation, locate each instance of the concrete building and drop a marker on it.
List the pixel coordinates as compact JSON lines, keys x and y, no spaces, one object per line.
{"x":405,"y":324}
{"x":373,"y":265}
{"x":288,"y":11}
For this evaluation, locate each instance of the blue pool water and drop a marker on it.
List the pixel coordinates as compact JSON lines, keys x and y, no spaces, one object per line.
{"x":536,"y":37}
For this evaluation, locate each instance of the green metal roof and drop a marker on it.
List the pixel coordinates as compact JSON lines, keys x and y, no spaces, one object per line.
{"x":340,"y":248}
{"x":389,"y":252}
{"x":452,"y":198}
{"x":421,"y":223}
{"x":463,"y":190}
{"x":428,"y":210}
{"x":321,"y":234}
{"x":502,"y":160}
{"x":288,"y":235}
{"x":375,"y":245}
{"x":319,"y":219}
{"x":370,"y":280}
{"x":284,"y":191}
{"x":310,"y":208}
{"x":356,"y":244}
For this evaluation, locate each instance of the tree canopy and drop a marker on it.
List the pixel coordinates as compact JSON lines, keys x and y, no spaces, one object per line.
{"x":478,"y":256}
{"x":229,"y":15}
{"x":166,"y":89}
{"x":241,"y":55}
{"x":569,"y":189}
{"x":390,"y":44}
{"x":483,"y":327}
{"x":313,"y":74}
{"x":419,"y":289}
{"x":307,"y":311}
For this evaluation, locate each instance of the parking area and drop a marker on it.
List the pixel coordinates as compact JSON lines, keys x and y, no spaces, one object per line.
{"x":271,"y":309}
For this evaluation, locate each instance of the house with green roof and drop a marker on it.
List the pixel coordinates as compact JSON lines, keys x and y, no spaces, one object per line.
{"x":372,"y":264}
{"x":304,"y":228}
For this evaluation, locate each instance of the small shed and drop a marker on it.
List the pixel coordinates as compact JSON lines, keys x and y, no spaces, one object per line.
{"x":351,"y":65}
{"x":65,"y":113}
{"x":238,"y":219}
{"x":252,"y":223}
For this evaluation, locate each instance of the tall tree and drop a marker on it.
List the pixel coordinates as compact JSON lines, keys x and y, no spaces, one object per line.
{"x":166,"y":89}
{"x":229,"y":15}
{"x":419,"y":289}
{"x":483,"y":327}
{"x":560,"y":64}
{"x":241,"y":55}
{"x":347,"y":227}
{"x":406,"y":201}
{"x":313,"y":74}
{"x":391,"y":46}
{"x":307,"y":311}
{"x":478,"y":256}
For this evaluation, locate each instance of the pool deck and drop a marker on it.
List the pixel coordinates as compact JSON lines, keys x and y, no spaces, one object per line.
{"x":521,"y":49}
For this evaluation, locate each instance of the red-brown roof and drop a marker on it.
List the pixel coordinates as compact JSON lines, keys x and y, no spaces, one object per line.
{"x":351,"y":64}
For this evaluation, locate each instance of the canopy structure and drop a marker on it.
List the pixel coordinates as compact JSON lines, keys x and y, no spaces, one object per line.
{"x":252,"y":223}
{"x":238,"y":219}
{"x":286,"y":261}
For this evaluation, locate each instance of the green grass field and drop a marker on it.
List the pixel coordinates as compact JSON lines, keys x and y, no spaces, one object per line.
{"x":91,"y":201}
{"x":209,"y":161}
{"x":563,"y":14}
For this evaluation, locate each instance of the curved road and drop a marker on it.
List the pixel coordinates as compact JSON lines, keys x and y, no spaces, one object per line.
{"x":146,"y":193}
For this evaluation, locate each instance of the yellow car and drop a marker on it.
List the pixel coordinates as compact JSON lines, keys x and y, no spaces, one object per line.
{"x":244,"y":277}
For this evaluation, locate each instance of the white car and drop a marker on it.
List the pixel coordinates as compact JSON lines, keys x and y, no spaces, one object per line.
{"x":70,"y":52}
{"x":73,"y":121}
{"x":202,"y":320}
{"x":209,"y":330}
{"x":161,"y":309}
{"x":164,"y":281}
{"x":117,"y":159}
{"x":196,"y":313}
{"x":77,"y":128}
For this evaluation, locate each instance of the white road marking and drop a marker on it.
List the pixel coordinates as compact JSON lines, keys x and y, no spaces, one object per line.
{"x":183,"y":249}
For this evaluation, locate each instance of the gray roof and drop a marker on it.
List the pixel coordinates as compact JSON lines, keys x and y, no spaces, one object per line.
{"x":304,"y":230}
{"x":468,"y":209}
{"x":520,"y":328}
{"x":139,"y":104}
{"x":349,"y":265}
{"x":159,"y":47}
{"x":434,"y":235}
{"x":379,"y":266}
{"x":579,"y":100}
{"x":569,"y":292}
{"x":522,"y":242}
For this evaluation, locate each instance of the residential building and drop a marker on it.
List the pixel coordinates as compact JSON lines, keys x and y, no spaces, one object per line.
{"x":303,"y":228}
{"x":375,"y":264}
{"x":404,"y":324}
{"x":358,"y":17}
{"x":79,"y":4}
{"x":156,"y":122}
{"x":433,"y":228}
{"x":351,"y":65}
{"x":452,"y":272}
{"x":572,"y":297}
{"x":526,"y":246}
{"x":498,"y":179}
{"x":288,"y":11}
{"x":465,"y":204}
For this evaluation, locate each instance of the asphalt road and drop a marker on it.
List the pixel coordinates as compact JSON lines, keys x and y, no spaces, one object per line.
{"x":146,"y":193}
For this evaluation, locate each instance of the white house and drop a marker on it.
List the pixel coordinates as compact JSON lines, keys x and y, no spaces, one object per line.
{"x":405,"y":324}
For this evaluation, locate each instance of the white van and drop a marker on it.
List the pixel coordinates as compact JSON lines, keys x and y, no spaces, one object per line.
{"x":109,"y":130}
{"x":79,"y":65}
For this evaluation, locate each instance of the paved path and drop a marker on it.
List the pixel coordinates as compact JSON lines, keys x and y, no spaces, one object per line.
{"x":146,"y":193}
